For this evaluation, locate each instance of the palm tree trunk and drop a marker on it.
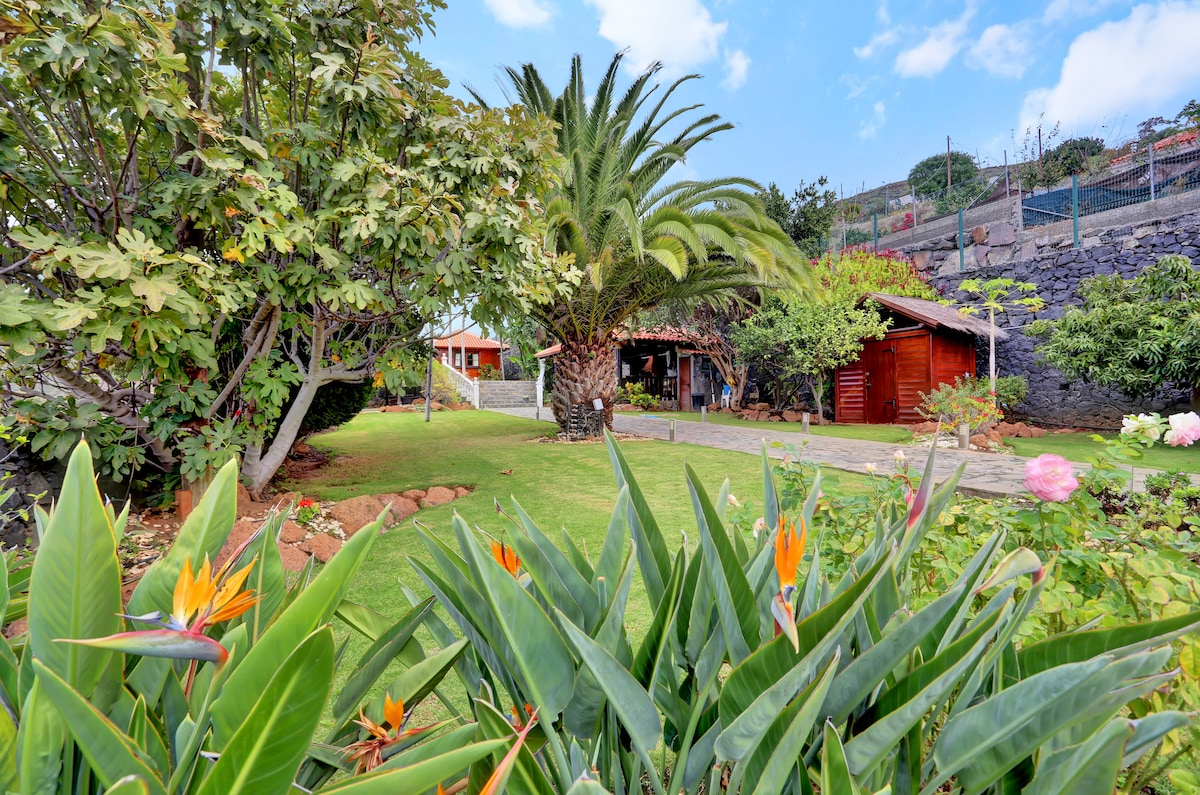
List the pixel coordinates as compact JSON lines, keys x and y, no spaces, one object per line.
{"x":584,"y":371}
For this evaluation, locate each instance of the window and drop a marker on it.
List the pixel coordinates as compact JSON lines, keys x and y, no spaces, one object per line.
{"x":458,"y":360}
{"x":473,"y":360}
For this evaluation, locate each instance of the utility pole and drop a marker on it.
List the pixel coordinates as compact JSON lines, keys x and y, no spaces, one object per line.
{"x":948,"y":185}
{"x":1006,"y":173}
{"x":1039,"y":151}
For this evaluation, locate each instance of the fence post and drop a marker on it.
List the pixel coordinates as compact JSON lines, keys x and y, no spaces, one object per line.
{"x":875,"y":231}
{"x":1152,"y":197}
{"x":1075,"y":208}
{"x":475,"y":392}
{"x":961,"y":256}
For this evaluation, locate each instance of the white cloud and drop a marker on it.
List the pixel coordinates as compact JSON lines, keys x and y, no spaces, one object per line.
{"x":737,"y":64}
{"x":1002,"y":50}
{"x":1058,"y":10}
{"x":680,"y":33}
{"x":855,"y":85}
{"x":519,"y":13}
{"x":934,"y":53}
{"x":882,"y":15}
{"x":1133,"y":66}
{"x":871,"y":126}
{"x":878,"y":42}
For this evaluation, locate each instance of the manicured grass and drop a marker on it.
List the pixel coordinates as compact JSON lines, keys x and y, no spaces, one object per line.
{"x":563,"y":487}
{"x":874,"y":433}
{"x":1080,"y":446}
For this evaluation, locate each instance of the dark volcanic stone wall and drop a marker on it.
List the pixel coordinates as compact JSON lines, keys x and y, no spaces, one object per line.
{"x":1053,"y":399}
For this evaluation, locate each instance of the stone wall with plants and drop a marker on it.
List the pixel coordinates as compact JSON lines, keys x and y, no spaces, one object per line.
{"x":1057,"y":269}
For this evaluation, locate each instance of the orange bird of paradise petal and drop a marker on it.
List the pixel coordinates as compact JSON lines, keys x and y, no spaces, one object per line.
{"x":506,"y":556}
{"x":393,"y":712}
{"x":789,"y":549}
{"x":202,"y":599}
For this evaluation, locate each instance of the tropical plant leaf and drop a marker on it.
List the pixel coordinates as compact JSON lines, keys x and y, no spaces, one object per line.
{"x":262,"y":757}
{"x":75,"y":586}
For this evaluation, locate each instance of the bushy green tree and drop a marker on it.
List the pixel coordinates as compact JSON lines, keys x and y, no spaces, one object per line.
{"x":928,"y":177}
{"x":808,"y":216}
{"x":1138,"y":335}
{"x":291,"y":175}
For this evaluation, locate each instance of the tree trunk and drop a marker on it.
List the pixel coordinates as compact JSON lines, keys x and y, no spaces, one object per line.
{"x":584,"y":371}
{"x":818,"y":390}
{"x":259,"y":465}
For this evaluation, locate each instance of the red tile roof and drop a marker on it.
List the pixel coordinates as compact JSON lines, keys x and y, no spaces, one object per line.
{"x":659,"y":334}
{"x":474,"y":343}
{"x":1178,"y":139}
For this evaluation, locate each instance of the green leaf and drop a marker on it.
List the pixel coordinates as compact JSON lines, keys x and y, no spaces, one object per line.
{"x":75,"y":587}
{"x":654,"y":559}
{"x":109,"y":751}
{"x":264,"y":754}
{"x":418,"y":777}
{"x":1079,"y":646}
{"x":539,"y":652}
{"x":1085,"y":769}
{"x":625,"y":696}
{"x":736,"y":604}
{"x":835,"y":773}
{"x":773,"y":760}
{"x":9,"y":772}
{"x":312,"y":608}
{"x":129,"y":785}
{"x":40,"y":742}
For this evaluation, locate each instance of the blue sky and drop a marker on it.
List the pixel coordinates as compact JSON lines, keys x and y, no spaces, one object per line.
{"x":857,"y":91}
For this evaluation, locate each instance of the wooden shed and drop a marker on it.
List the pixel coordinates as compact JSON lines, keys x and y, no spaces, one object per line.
{"x":927,"y":344}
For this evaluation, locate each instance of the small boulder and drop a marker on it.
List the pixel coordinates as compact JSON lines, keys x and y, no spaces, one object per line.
{"x":291,"y":533}
{"x":242,"y":529}
{"x":1006,"y":429}
{"x":356,"y":513}
{"x":438,"y":495}
{"x":403,"y":507}
{"x":413,"y":494}
{"x":419,"y":402}
{"x":762,"y":407}
{"x":981,"y":441}
{"x":1037,"y":433}
{"x":994,"y":437}
{"x":774,"y":418}
{"x":293,"y":559}
{"x":793,"y":416}
{"x":922,"y":428}
{"x":1001,"y":234}
{"x":461,"y":491}
{"x":245,"y":504}
{"x":1023,"y":431}
{"x":321,"y":546}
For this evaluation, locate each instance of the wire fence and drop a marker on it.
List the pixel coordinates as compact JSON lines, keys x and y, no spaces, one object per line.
{"x":1142,"y":182}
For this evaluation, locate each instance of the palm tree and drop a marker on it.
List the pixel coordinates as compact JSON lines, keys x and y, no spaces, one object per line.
{"x":639,"y":242}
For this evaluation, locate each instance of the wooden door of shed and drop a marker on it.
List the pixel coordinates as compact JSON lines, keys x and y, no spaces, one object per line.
{"x":882,"y":403}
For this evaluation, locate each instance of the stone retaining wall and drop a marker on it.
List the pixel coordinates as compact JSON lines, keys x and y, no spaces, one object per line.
{"x":28,"y":475}
{"x":506,"y":394}
{"x":1058,"y":269}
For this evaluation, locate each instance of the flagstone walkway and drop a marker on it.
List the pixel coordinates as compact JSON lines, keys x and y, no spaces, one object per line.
{"x":986,"y":474}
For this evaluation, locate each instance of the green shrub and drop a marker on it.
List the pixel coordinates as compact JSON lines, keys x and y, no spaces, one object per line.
{"x":966,"y":401}
{"x":762,"y":673}
{"x":489,"y":373}
{"x":1011,"y":390}
{"x":231,"y":692}
{"x":335,"y":403}
{"x":634,"y":393}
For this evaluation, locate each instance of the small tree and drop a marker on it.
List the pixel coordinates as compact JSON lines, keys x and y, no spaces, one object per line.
{"x":794,"y":341}
{"x":1137,"y":335}
{"x":928,"y":178}
{"x":807,"y":217}
{"x":996,"y":296}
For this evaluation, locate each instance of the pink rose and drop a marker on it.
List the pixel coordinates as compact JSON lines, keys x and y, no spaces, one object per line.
{"x":1050,"y":477}
{"x":1185,"y":429}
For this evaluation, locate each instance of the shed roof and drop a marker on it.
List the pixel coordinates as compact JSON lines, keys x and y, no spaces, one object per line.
{"x":473,"y":342}
{"x":935,"y":315}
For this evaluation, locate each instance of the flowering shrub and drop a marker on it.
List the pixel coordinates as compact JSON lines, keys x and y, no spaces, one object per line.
{"x":306,"y":510}
{"x":905,"y":223}
{"x":961,"y":403}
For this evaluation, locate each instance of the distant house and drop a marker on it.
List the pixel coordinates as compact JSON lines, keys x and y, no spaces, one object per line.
{"x":928,"y":344}
{"x":666,"y":364}
{"x":479,"y":352}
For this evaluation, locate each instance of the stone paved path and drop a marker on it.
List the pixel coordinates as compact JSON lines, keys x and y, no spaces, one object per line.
{"x":986,"y":475}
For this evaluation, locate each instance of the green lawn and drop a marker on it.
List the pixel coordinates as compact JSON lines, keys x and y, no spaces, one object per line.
{"x":874,"y":433}
{"x":564,"y":487}
{"x":1079,"y":446}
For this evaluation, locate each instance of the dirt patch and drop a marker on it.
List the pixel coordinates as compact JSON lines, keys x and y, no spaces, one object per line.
{"x":562,"y":438}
